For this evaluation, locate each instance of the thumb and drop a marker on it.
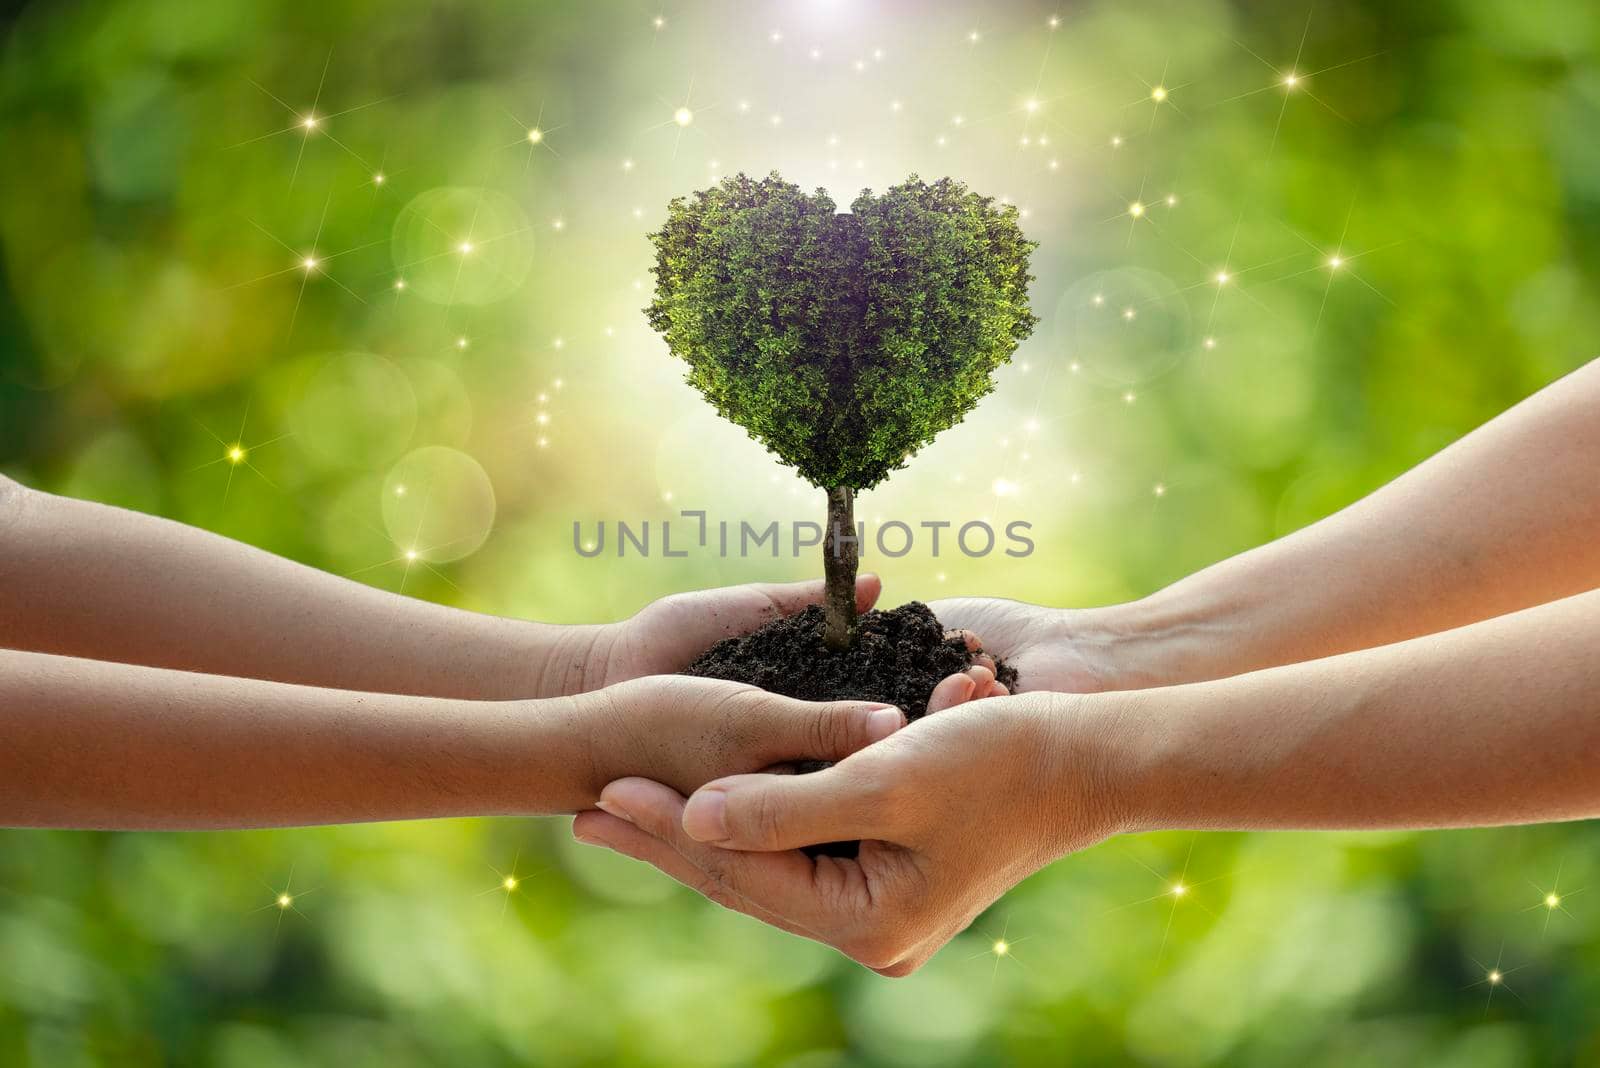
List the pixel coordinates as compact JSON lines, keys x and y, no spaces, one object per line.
{"x":767,"y":813}
{"x":830,"y":730}
{"x":788,"y":598}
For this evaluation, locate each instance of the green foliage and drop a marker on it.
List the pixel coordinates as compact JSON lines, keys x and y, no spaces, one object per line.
{"x":842,"y":342}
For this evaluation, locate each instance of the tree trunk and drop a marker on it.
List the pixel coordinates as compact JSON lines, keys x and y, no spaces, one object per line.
{"x":841,"y":555}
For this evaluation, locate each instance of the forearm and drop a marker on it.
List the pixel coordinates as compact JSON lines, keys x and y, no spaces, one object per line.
{"x":1494,"y":723}
{"x":1501,"y":520}
{"x":91,"y":744}
{"x":87,"y":580}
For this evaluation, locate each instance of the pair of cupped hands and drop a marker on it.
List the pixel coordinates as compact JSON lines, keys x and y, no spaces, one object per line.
{"x":951,"y":811}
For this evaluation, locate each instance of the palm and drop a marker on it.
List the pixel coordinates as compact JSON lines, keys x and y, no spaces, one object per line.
{"x":667,"y":635}
{"x":1037,"y":641}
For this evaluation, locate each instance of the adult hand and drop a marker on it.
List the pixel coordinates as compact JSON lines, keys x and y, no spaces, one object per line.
{"x":1014,"y":785}
{"x":1065,"y":650}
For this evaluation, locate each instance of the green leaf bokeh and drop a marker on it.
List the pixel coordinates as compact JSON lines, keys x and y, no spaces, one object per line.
{"x":162,"y":199}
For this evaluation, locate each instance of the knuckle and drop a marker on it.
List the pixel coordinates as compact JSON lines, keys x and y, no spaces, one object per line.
{"x":878,"y":950}
{"x":880,"y":797}
{"x":715,"y":876}
{"x":716,"y":893}
{"x":766,"y":819}
{"x":826,"y":731}
{"x":899,"y":970}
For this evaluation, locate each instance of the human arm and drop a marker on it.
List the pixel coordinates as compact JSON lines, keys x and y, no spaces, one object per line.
{"x":85,"y":743}
{"x":88,"y":580}
{"x":1500,"y":520}
{"x":1492,"y":723}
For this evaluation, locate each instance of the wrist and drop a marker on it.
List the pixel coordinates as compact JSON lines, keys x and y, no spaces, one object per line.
{"x":563,"y":661}
{"x":1176,"y":635}
{"x":1087,"y":793}
{"x":560,"y":757}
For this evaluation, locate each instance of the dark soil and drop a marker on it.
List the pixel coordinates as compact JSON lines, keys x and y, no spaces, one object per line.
{"x":898,"y":657}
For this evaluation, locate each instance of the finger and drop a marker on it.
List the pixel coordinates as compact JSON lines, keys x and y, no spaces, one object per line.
{"x":767,"y":813}
{"x":806,"y":893}
{"x":813,"y":730}
{"x":974,"y":643}
{"x":984,"y":660}
{"x":604,"y":829}
{"x":982,"y":678}
{"x":999,"y":689}
{"x":791,"y":597}
{"x":951,"y":691}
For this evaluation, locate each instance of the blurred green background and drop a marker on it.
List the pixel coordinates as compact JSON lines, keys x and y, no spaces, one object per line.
{"x":190,"y":266}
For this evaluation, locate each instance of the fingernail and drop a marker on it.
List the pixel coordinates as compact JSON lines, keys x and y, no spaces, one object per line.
{"x":613,"y":809}
{"x":882,"y":722}
{"x":705,"y":817}
{"x":590,"y":840}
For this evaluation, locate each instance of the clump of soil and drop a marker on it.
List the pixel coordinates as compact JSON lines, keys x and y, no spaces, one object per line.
{"x":897,"y":658}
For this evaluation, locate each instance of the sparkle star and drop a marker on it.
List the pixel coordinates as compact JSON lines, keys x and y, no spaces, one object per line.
{"x":1292,"y":81}
{"x":1003,"y":947}
{"x":311,"y":121}
{"x":1494,"y":978}
{"x":236,"y":454}
{"x":284,"y":899}
{"x":509,"y":882}
{"x":1553,"y":900}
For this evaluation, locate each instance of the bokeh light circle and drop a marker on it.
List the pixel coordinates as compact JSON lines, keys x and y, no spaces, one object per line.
{"x":462,"y":245}
{"x":444,"y":406}
{"x":1124,"y":326}
{"x":438,"y":504}
{"x":355,"y":410}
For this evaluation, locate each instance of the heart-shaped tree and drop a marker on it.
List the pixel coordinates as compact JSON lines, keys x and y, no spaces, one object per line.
{"x":842,"y":342}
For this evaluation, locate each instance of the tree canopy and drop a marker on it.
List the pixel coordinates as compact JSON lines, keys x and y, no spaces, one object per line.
{"x":842,"y":342}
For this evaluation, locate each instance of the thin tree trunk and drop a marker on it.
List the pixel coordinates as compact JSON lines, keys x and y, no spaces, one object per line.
{"x":841,"y":555}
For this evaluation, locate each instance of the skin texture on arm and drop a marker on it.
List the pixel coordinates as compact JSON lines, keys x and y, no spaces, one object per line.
{"x":1496,"y":722}
{"x":88,"y":580}
{"x":85,"y":743}
{"x":1502,"y":519}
